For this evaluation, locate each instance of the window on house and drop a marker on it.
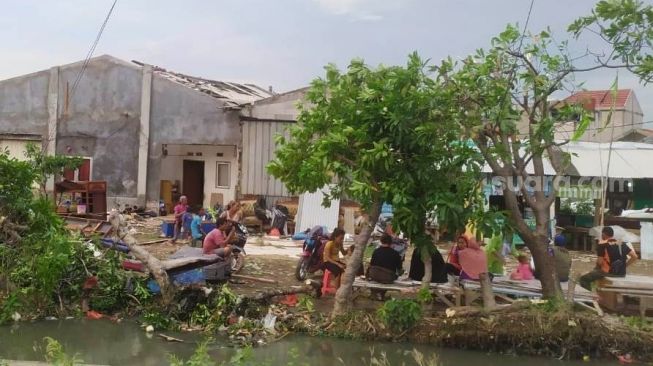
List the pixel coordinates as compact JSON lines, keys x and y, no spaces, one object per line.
{"x":222,"y":175}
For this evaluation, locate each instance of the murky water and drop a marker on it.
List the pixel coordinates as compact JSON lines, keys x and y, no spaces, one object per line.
{"x":105,"y":343}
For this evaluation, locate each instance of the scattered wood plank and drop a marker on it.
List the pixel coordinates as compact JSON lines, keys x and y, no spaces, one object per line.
{"x":251,"y":278}
{"x":171,"y":339}
{"x":154,"y":241}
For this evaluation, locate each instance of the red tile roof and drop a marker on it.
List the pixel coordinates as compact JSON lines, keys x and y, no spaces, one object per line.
{"x":599,"y":99}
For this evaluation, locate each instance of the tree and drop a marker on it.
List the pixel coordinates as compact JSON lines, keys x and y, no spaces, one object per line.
{"x":377,"y":135}
{"x":503,"y":100}
{"x":627,"y":27}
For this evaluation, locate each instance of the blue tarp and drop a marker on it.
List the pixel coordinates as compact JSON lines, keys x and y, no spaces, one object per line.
{"x":193,"y":276}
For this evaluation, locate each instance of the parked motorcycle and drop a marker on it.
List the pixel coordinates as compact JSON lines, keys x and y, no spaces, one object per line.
{"x":238,"y":248}
{"x":311,"y":260}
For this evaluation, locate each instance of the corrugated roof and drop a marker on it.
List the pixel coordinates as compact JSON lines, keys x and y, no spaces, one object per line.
{"x":628,"y":159}
{"x":233,"y":94}
{"x":590,"y":159}
{"x":599,"y":99}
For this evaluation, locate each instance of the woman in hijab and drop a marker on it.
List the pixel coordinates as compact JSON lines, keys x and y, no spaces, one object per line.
{"x":473,"y":260}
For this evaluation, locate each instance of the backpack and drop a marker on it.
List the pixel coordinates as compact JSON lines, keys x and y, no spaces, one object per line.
{"x":618,"y":267}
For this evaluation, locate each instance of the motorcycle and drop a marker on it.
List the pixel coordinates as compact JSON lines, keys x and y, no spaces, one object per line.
{"x":310,"y":260}
{"x":238,"y":248}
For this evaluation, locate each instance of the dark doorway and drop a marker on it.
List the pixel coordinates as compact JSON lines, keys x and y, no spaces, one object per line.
{"x":193,"y":182}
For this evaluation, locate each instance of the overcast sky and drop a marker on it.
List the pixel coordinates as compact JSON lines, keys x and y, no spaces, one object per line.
{"x":279,"y":43}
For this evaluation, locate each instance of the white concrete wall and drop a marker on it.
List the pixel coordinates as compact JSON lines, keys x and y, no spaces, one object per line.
{"x":16,"y":148}
{"x":172,"y":167}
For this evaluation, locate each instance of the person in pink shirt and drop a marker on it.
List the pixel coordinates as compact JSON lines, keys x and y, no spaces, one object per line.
{"x":219,"y":239}
{"x":523,"y":272}
{"x":179,"y":210}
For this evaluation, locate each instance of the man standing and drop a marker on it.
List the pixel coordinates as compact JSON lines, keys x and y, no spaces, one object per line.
{"x":217,"y":241}
{"x":613,"y":258}
{"x":179,"y":210}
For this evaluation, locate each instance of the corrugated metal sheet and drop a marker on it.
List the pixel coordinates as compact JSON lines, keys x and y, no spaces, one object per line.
{"x":311,"y":212}
{"x":258,"y":151}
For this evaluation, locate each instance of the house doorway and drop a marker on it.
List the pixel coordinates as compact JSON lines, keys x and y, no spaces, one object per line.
{"x":193,"y":182}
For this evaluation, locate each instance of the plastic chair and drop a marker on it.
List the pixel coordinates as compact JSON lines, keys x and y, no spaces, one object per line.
{"x":326,"y":283}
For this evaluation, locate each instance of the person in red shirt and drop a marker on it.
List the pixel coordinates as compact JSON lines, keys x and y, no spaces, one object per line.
{"x":179,"y":210}
{"x":219,"y":239}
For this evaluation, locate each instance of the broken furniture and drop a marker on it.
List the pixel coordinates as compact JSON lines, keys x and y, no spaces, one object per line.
{"x":88,"y":199}
{"x":440,"y":290}
{"x":613,"y":292}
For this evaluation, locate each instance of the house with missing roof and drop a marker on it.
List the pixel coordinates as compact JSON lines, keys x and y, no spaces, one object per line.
{"x":148,"y":132}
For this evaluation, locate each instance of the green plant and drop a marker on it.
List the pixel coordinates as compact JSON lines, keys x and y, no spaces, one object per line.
{"x":10,"y":305}
{"x":200,"y":357}
{"x":400,"y":314}
{"x":639,"y":323}
{"x":55,"y":354}
{"x":424,"y":296}
{"x":201,"y":315}
{"x":305,"y":303}
{"x":159,"y":320}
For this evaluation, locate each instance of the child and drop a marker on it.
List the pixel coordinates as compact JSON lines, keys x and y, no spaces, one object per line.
{"x":523,"y":271}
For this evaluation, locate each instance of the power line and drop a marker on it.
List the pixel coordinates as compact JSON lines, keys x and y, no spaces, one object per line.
{"x":92,"y":50}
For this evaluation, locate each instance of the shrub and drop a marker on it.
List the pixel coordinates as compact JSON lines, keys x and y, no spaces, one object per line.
{"x":400,"y":314}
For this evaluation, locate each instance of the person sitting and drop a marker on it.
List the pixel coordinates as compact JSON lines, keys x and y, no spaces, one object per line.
{"x":473,"y":260}
{"x":233,"y":212}
{"x":196,"y":230}
{"x":438,"y":267}
{"x":219,"y":239}
{"x":331,"y":256}
{"x":561,"y":257}
{"x":453,"y":259}
{"x":523,"y":271}
{"x":613,"y":257}
{"x":385,"y":265}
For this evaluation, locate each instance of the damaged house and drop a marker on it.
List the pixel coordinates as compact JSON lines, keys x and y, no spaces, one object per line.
{"x":151,"y":134}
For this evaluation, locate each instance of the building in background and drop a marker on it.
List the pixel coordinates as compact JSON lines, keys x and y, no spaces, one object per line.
{"x":616,"y":115}
{"x":148,"y":132}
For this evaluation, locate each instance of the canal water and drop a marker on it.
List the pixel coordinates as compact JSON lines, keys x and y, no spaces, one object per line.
{"x":105,"y":343}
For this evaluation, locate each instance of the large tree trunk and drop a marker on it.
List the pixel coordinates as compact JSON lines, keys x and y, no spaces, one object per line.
{"x":428,"y":268}
{"x":537,"y":242}
{"x":428,"y":263}
{"x":343,"y":295}
{"x":545,"y":264}
{"x":121,"y":232}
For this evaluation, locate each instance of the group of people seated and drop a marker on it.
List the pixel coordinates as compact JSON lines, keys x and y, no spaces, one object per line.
{"x":188,"y":225}
{"x":466,"y":260}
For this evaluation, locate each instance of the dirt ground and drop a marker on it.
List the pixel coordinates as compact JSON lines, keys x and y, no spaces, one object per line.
{"x":276,"y":259}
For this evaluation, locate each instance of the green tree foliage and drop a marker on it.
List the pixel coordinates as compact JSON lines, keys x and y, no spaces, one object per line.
{"x":379,"y":135}
{"x":42,"y":266}
{"x":46,"y":166}
{"x":627,"y":27}
{"x":502,"y":96}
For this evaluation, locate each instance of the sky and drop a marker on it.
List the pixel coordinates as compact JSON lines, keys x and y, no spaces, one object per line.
{"x":279,"y":43}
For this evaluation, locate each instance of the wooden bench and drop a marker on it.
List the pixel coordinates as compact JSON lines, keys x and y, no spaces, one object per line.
{"x":507,"y":290}
{"x":440,"y":290}
{"x":612,"y":291}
